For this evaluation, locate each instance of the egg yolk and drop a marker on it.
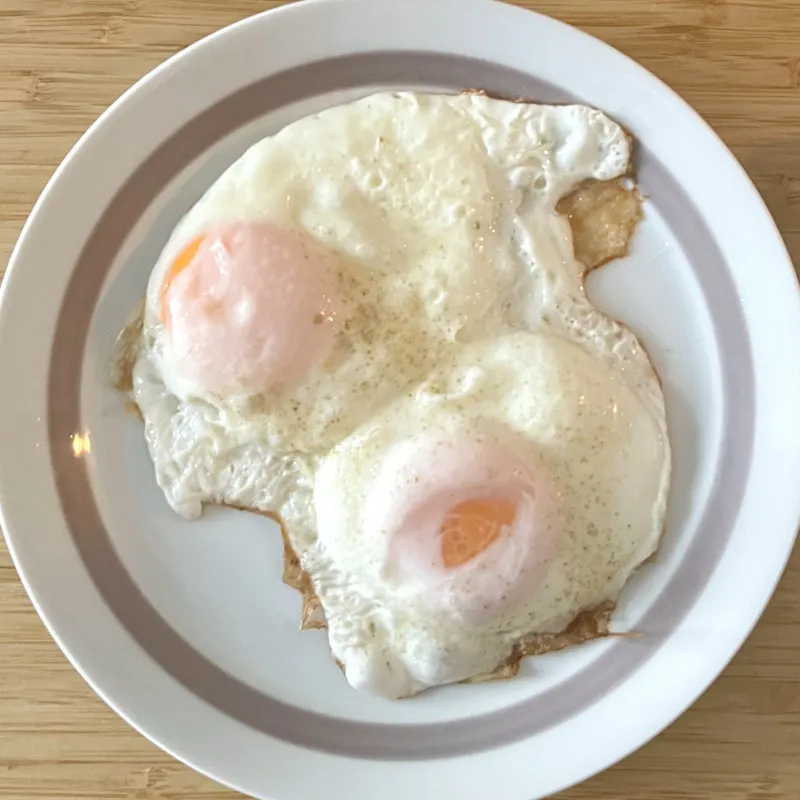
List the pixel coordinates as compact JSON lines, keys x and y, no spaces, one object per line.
{"x":248,"y":307}
{"x":471,"y":527}
{"x":184,"y":259}
{"x":460,"y":520}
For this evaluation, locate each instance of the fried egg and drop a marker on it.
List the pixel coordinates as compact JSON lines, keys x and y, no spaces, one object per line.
{"x":373,"y":325}
{"x":520,"y":484}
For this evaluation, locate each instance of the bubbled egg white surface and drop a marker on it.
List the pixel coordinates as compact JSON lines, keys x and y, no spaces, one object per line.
{"x":438,"y":213}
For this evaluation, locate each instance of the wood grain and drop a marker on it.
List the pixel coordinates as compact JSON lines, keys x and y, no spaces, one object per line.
{"x":736,"y":61}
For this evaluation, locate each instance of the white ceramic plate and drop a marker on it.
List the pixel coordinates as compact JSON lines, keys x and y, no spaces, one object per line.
{"x":185,"y":628}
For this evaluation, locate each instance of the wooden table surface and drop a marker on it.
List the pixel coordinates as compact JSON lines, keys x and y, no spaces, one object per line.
{"x":62,"y":63}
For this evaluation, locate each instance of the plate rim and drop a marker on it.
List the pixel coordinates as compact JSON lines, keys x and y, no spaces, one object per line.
{"x":303,"y":8}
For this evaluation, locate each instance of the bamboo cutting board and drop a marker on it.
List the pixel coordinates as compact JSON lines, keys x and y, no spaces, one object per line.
{"x":61,"y":64}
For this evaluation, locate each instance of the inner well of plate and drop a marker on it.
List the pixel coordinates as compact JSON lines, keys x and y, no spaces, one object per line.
{"x":97,"y":500}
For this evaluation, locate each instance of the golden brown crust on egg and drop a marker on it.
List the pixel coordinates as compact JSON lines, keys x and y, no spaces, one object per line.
{"x":603,"y":216}
{"x":312,"y":615}
{"x":126,"y":351}
{"x":134,"y":410}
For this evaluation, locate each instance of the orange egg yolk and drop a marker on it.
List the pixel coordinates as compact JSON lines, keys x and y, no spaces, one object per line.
{"x":472,"y":526}
{"x":184,"y":258}
{"x":248,"y":306}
